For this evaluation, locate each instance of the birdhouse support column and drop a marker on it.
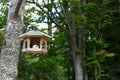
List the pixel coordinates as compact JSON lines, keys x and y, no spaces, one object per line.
{"x":24,"y":44}
{"x":43,"y":45}
{"x":28,"y":45}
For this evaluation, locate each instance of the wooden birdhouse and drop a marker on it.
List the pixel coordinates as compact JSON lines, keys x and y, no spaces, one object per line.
{"x":34,"y":42}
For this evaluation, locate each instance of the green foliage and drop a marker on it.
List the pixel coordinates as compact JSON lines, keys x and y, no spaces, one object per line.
{"x":3,"y":1}
{"x":3,"y":15}
{"x":97,"y":20}
{"x":94,"y":19}
{"x":100,"y":21}
{"x":3,"y":18}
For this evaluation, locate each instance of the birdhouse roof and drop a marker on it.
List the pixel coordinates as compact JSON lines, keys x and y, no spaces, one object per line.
{"x":34,"y":34}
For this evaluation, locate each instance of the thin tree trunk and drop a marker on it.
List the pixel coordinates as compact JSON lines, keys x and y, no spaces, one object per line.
{"x":96,"y":73}
{"x":84,"y":55}
{"x":77,"y":67}
{"x":48,"y":20}
{"x":95,"y":69}
{"x":11,"y":46}
{"x":77,"y":59}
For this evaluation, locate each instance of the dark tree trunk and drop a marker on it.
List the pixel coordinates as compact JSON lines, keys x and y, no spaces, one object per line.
{"x":48,"y":20}
{"x":77,"y":59}
{"x":11,"y":46}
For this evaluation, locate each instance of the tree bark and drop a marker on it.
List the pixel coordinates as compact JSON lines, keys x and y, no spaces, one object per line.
{"x":77,"y":67}
{"x":11,"y":48}
{"x":77,"y":59}
{"x":48,"y":20}
{"x":75,"y":42}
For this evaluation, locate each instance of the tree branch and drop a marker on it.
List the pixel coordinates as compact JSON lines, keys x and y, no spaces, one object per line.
{"x":16,"y":14}
{"x":52,"y":19}
{"x":70,"y":27}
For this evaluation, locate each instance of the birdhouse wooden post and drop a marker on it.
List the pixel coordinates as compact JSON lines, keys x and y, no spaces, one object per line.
{"x":34,"y":42}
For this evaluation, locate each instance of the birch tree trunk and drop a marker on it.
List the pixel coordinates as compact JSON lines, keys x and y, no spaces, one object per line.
{"x":11,"y":46}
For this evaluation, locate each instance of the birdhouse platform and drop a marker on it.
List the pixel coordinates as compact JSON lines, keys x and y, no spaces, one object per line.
{"x":34,"y":42}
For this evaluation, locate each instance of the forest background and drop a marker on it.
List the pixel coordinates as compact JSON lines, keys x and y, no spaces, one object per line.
{"x":85,"y":38}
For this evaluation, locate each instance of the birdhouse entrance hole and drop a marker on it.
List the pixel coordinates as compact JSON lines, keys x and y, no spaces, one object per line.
{"x":34,"y":42}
